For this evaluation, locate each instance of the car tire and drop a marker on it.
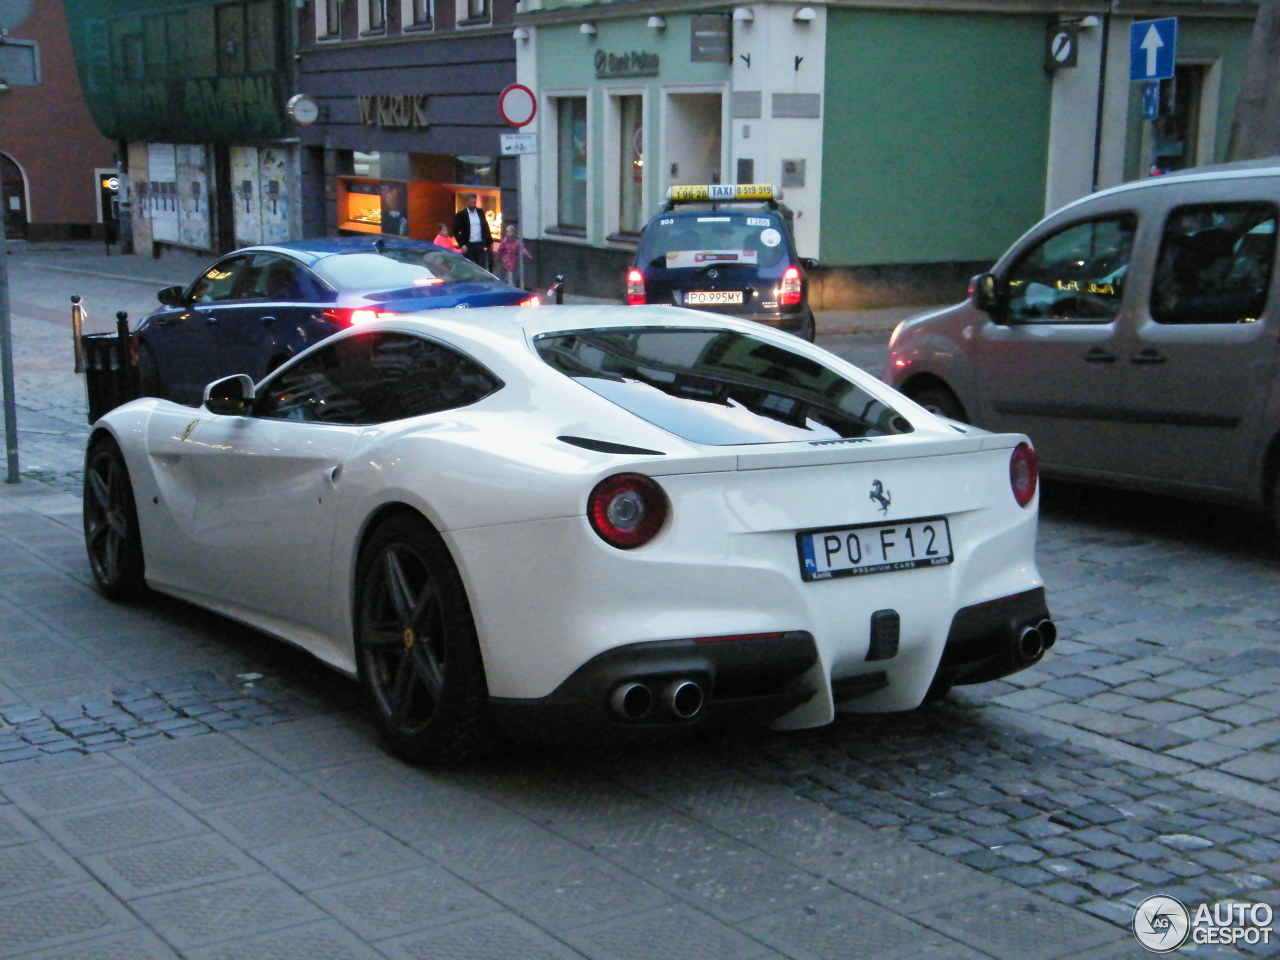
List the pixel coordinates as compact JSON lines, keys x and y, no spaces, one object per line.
{"x":149,"y":382}
{"x":938,"y":399}
{"x":808,"y":328}
{"x":112,"y":537}
{"x":415,"y":643}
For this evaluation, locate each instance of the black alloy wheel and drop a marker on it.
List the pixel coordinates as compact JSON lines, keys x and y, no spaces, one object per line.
{"x":415,"y":643}
{"x":111,"y":535}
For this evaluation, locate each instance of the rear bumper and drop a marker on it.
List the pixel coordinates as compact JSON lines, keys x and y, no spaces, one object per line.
{"x":992,"y":640}
{"x":636,"y":690}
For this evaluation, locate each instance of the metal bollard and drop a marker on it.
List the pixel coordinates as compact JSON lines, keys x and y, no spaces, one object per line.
{"x":77,"y":331}
{"x":556,"y":290}
{"x":124,"y":349}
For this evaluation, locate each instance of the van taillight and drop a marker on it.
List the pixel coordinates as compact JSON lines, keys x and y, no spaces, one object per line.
{"x":790,"y":290}
{"x":635,"y":287}
{"x":531,"y":301}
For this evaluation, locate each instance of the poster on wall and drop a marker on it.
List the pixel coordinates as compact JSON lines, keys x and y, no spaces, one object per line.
{"x":161,"y":203}
{"x":194,"y":228}
{"x":244,"y":195}
{"x":274,"y":205}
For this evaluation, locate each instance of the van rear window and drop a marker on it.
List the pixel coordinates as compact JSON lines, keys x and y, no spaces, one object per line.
{"x":718,"y":387}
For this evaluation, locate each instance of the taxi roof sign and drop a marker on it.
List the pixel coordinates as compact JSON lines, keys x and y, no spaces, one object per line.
{"x":722,"y":193}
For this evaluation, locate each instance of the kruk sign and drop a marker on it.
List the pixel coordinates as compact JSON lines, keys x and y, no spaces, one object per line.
{"x":394,"y":110}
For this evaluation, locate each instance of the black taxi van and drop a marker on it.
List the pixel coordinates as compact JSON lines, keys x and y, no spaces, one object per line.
{"x":724,"y":248}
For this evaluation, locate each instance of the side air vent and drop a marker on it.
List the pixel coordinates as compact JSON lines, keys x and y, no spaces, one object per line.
{"x":606,"y":446}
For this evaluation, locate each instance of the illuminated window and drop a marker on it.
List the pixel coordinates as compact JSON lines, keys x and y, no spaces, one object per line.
{"x":473,"y":11}
{"x":328,"y":19}
{"x":417,"y":13}
{"x":373,"y":16}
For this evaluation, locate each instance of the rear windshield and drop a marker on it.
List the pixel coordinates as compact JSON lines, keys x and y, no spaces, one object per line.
{"x":391,"y":269}
{"x":705,"y":239}
{"x":718,"y":387}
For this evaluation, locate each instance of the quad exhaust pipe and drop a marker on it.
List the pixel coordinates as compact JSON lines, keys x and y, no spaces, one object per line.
{"x":634,"y":701}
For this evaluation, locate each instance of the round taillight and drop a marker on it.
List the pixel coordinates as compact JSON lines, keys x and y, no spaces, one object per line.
{"x":627,"y":510}
{"x":1024,"y":473}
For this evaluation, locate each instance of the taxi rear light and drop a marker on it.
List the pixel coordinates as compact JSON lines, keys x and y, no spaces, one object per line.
{"x":635,"y":287}
{"x":1024,"y":473}
{"x":790,"y":290}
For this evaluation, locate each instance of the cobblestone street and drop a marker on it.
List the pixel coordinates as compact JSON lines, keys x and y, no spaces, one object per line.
{"x":1023,"y":818}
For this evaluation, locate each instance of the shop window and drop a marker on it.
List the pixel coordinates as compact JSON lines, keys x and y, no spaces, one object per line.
{"x":373,"y":17}
{"x":571,"y":162}
{"x":475,"y":171}
{"x":328,"y":19}
{"x":630,"y":164}
{"x":417,"y":14}
{"x":472,"y":11}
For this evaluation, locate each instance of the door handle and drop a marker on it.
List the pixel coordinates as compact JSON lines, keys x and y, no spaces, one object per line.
{"x":1098,"y":355}
{"x":211,"y":319}
{"x":268,"y":319}
{"x":1147,"y":357}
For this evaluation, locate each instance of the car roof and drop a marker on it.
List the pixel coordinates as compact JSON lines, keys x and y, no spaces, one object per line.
{"x":309,"y":251}
{"x":1243,"y":169}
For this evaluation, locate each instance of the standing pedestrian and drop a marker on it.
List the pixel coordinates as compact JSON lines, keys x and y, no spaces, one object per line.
{"x":471,"y":230}
{"x":508,"y":254}
{"x":444,"y":238}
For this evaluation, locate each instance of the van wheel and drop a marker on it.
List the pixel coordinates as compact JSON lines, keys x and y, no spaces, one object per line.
{"x":938,"y":399}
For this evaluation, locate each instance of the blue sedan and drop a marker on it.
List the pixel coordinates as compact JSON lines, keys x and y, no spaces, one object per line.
{"x":257,"y":307}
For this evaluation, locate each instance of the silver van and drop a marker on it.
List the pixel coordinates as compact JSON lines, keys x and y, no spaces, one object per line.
{"x":1132,"y":335}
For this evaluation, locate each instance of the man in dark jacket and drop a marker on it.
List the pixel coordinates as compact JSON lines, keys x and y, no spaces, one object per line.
{"x":471,"y":230}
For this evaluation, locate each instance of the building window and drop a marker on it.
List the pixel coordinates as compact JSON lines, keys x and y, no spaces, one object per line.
{"x":416,"y":14}
{"x":571,"y":162}
{"x":630,"y":164}
{"x":373,"y":16}
{"x":328,"y":19}
{"x":473,"y":11}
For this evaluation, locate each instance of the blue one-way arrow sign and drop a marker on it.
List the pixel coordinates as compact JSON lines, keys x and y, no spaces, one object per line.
{"x":1153,"y":49}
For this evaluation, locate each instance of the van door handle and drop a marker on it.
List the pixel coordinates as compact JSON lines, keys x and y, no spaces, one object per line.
{"x":1098,"y":355}
{"x":1148,"y":356}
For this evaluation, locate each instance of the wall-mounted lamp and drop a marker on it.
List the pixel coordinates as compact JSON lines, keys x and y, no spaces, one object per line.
{"x":1089,"y":22}
{"x":587,"y":29}
{"x":803,"y":15}
{"x":657,"y":23}
{"x":4,"y":86}
{"x":519,"y":33}
{"x":743,"y":14}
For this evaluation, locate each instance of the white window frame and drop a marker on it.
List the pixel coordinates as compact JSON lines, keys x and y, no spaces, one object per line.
{"x":324,"y":29}
{"x":407,"y":21}
{"x":366,"y":22}
{"x":463,"y":13}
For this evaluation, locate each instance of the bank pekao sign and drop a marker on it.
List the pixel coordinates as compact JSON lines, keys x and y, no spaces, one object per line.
{"x":637,"y":63}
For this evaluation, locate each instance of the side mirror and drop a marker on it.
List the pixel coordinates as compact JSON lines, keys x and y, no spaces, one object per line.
{"x":172,"y":297}
{"x":230,"y":396}
{"x":809,"y":263}
{"x":991,"y":295}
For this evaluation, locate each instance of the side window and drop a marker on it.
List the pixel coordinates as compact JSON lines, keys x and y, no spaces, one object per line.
{"x":1077,"y":274}
{"x":270,"y":276}
{"x":219,"y":281}
{"x":375,"y":378}
{"x":1215,"y":263}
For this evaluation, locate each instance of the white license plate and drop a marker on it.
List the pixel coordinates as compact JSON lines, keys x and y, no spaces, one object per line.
{"x":873,"y":548}
{"x":708,"y":297}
